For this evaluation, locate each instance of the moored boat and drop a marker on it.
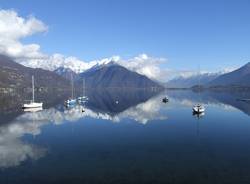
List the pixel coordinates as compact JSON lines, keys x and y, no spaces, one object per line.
{"x":32,"y":103}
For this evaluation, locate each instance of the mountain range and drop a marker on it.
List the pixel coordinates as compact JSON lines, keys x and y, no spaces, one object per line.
{"x":105,"y":75}
{"x":114,"y":75}
{"x":59,"y":61}
{"x":109,"y":74}
{"x":238,"y":77}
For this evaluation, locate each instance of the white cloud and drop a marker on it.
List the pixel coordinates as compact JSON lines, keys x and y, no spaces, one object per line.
{"x":145,"y":65}
{"x":13,"y":28}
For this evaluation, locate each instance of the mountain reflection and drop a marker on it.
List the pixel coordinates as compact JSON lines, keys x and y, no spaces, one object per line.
{"x":137,"y":105}
{"x":114,"y":101}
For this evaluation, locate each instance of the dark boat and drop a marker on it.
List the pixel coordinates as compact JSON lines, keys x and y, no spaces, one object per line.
{"x":165,"y":100}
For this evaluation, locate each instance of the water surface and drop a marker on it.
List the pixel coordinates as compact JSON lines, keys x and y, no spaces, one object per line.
{"x":129,"y":137}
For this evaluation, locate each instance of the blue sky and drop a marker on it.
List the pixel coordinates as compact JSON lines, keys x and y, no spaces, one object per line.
{"x":210,"y":34}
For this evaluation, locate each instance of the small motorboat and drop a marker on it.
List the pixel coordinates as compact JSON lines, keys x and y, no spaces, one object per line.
{"x":165,"y":100}
{"x":198,"y":109}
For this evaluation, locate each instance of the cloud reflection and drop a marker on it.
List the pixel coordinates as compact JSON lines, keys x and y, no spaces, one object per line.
{"x":14,"y":151}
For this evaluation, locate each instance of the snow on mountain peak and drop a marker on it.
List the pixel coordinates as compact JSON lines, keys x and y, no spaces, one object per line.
{"x":59,"y":61}
{"x":142,"y":64}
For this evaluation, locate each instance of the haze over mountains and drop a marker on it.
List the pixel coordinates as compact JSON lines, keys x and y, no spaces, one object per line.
{"x":237,"y":78}
{"x":188,"y":82}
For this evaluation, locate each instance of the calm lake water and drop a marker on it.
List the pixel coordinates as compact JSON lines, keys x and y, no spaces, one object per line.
{"x":128,"y":137}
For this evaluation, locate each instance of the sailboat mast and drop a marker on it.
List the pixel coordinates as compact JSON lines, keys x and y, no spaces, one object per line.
{"x":199,"y":81}
{"x":83,"y":87}
{"x":72,"y":87}
{"x":33,"y":89}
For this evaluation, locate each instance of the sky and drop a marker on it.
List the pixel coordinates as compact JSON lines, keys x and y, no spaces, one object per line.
{"x":178,"y":35}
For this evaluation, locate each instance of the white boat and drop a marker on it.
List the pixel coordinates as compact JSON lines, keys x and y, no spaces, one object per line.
{"x":198,"y":109}
{"x":32,"y":103}
{"x":71,"y":101}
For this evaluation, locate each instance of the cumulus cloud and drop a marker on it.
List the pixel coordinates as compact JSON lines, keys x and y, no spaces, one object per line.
{"x":13,"y":28}
{"x":145,"y":65}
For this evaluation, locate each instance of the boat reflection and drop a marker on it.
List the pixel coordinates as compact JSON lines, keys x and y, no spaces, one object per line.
{"x":228,"y":100}
{"x":37,"y":109}
{"x":139,"y":107}
{"x":199,"y":115}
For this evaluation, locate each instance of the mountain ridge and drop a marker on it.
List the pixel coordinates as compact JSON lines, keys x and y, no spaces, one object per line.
{"x":14,"y":75}
{"x":238,"y":77}
{"x":115,"y":75}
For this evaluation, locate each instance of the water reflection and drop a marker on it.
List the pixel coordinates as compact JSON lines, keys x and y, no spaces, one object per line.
{"x":228,"y":100}
{"x":198,"y":115}
{"x":13,"y":150}
{"x":36,"y":109}
{"x":114,"y":101}
{"x":134,"y":105}
{"x":160,"y":131}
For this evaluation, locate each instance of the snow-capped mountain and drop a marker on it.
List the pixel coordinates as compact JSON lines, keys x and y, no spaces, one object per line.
{"x":56,"y":61}
{"x":66,"y":73}
{"x":101,"y":65}
{"x":113,"y":75}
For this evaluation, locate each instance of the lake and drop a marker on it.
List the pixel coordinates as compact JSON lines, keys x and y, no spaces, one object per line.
{"x":127,"y":136}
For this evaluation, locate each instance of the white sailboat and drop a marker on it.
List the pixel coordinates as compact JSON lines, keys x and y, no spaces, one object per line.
{"x":198,"y":108}
{"x":83,"y":98}
{"x":71,"y":101}
{"x":32,"y":103}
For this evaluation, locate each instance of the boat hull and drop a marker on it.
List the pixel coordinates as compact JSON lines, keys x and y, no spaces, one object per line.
{"x":36,"y":109}
{"x":33,"y":105}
